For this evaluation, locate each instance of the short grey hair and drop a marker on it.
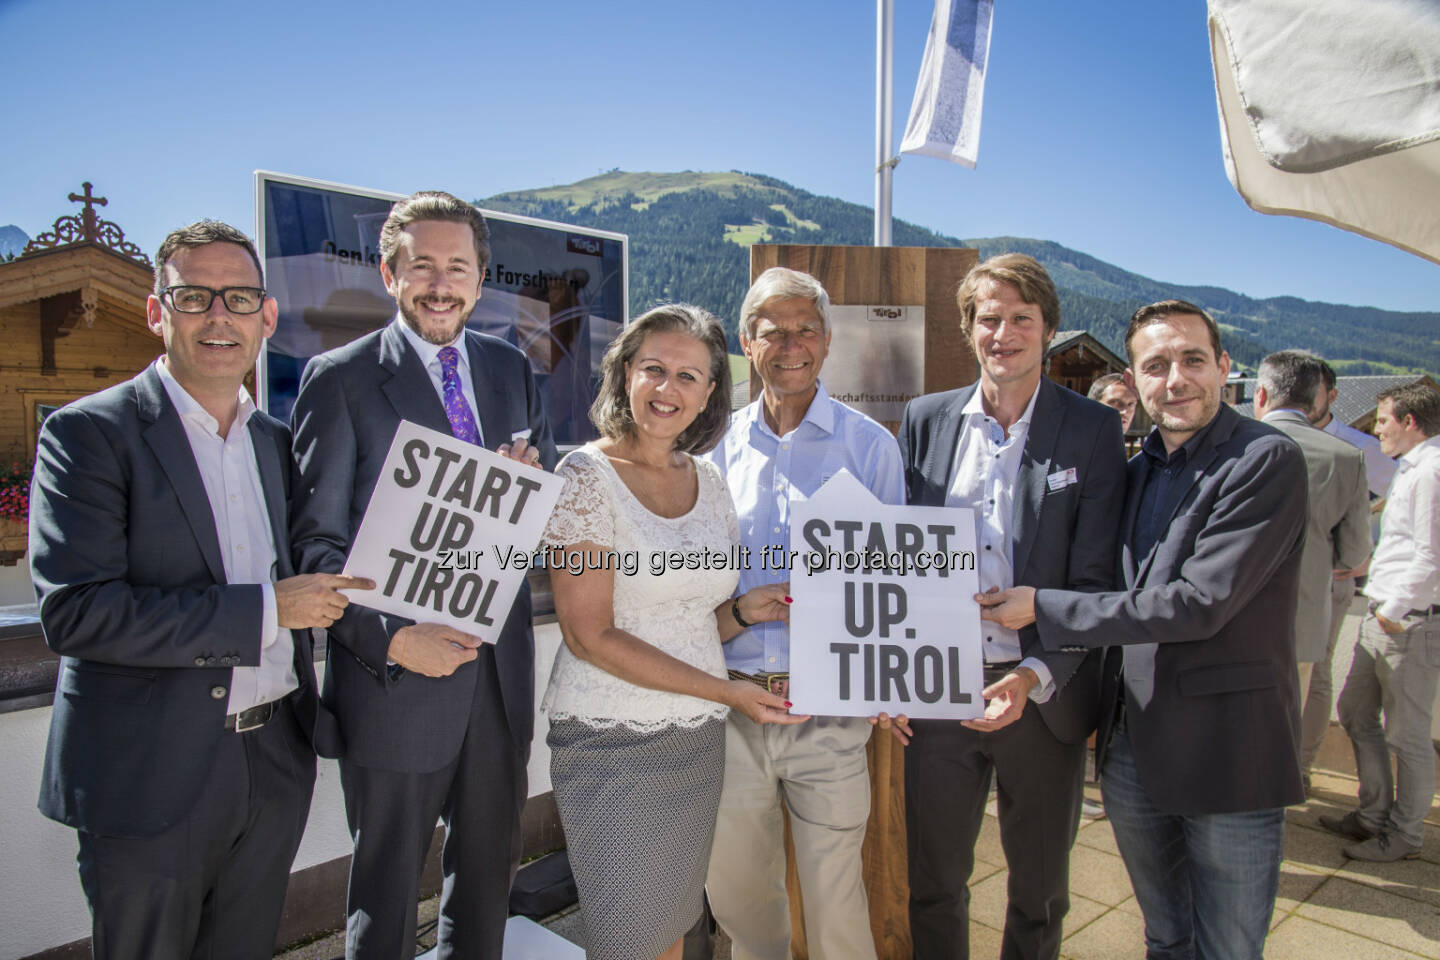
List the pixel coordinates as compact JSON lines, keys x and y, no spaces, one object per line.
{"x":1101,"y":384}
{"x":785,"y":284}
{"x":1292,"y":378}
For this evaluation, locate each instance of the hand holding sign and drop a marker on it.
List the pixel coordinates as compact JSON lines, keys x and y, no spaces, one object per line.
{"x":759,"y":704}
{"x":767,"y":602}
{"x":519,"y":449}
{"x":1005,"y":700}
{"x":432,"y":649}
{"x":1012,"y":609}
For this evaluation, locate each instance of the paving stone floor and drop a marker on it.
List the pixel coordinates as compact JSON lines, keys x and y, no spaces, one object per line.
{"x":1329,"y":907}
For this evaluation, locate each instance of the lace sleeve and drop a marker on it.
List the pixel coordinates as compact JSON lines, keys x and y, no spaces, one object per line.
{"x":586,"y":509}
{"x":720,"y":491}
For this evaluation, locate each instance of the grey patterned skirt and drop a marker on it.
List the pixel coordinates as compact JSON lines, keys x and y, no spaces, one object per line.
{"x":639,"y":814}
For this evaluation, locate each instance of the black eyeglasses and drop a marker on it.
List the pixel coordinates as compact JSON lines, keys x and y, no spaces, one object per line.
{"x":194,"y":299}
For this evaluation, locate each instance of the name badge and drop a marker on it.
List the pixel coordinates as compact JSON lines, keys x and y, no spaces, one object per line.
{"x":1062,"y":479}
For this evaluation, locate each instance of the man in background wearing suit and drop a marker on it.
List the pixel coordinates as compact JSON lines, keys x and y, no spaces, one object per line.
{"x":435,"y":723}
{"x":1337,"y":528}
{"x":1043,"y":468}
{"x":181,"y":739}
{"x":1199,"y":730}
{"x":1319,"y":697}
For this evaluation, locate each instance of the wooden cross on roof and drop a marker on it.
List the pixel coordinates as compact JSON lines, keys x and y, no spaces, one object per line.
{"x":86,"y":227}
{"x":87,"y":217}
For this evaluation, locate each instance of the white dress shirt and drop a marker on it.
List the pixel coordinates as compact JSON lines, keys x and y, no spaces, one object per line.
{"x":987,"y":467}
{"x":242,"y":525}
{"x":1405,"y":571}
{"x":429,"y":354}
{"x":1379,"y":469}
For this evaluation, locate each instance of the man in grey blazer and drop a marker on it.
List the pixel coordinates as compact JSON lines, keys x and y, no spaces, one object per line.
{"x":1043,"y":468}
{"x":1199,"y":732}
{"x":181,"y":738}
{"x":436,"y":724}
{"x":1337,"y":528}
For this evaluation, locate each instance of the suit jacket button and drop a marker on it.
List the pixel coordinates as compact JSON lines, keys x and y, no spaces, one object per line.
{"x":210,"y":661}
{"x":199,"y":661}
{"x":218,"y":693}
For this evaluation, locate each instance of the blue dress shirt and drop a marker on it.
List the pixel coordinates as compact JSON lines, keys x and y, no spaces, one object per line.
{"x":765,"y":472}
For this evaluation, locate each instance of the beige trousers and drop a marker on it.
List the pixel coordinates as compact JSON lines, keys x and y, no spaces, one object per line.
{"x":819,"y":770}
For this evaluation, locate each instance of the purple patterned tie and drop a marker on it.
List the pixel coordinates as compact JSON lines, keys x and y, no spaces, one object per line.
{"x":462,"y":420}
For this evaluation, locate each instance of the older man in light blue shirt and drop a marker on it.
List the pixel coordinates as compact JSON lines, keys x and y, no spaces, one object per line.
{"x":780,"y":448}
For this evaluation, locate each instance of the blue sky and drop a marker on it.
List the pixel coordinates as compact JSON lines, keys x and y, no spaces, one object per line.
{"x":1099,"y":130}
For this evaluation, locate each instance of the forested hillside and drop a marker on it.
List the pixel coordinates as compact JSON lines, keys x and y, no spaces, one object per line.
{"x":690,"y":233}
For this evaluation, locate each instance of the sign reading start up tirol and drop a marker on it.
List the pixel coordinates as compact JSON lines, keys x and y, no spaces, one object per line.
{"x":444,"y":528}
{"x":884,"y":618}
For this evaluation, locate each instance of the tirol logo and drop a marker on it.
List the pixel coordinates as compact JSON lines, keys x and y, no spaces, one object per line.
{"x":577,"y":243}
{"x":887,"y":313}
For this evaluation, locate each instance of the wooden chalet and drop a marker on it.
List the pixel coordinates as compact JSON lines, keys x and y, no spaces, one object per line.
{"x":72,"y":318}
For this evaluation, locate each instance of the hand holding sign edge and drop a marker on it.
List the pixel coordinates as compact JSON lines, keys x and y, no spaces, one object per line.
{"x":432,"y":649}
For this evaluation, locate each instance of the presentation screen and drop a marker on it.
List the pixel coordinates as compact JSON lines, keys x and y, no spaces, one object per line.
{"x":557,"y":292}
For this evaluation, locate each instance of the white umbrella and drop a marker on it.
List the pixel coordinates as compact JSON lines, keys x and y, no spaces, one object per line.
{"x":1330,"y":109}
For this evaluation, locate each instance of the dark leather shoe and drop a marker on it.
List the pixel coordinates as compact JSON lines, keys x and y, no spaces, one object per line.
{"x":1382,"y":848}
{"x":1348,"y":826}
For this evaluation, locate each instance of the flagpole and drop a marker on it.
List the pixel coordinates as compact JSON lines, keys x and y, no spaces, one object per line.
{"x":884,"y":132}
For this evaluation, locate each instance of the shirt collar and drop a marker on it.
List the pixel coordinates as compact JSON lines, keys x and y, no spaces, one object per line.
{"x":821,"y":413}
{"x":1154,"y":447}
{"x":1423,"y":450}
{"x":190,"y":409}
{"x":976,"y":404}
{"x":428,"y":352}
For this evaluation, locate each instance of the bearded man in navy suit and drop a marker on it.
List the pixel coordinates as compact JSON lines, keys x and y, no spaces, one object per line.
{"x":436,"y":724}
{"x":181,"y":742}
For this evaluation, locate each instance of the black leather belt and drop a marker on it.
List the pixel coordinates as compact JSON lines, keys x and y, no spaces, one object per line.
{"x":253,"y":718}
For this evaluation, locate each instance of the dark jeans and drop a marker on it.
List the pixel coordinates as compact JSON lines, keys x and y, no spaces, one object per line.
{"x":1205,"y":883}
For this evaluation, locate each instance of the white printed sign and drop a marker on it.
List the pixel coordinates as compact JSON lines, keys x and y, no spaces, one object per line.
{"x":449,"y":531}
{"x":884,"y":618}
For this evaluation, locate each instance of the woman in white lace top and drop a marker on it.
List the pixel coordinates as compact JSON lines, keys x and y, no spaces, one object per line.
{"x":643,"y":572}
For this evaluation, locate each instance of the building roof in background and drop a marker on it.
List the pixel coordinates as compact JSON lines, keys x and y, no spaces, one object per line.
{"x":1355,"y":401}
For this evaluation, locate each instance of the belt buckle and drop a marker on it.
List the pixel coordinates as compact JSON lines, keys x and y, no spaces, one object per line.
{"x":255,"y":717}
{"x":778,"y":684}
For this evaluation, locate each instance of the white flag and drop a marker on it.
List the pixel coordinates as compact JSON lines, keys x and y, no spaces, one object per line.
{"x":945,"y":114}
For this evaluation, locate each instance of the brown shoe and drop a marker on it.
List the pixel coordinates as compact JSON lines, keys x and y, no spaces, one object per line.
{"x":1348,"y":826}
{"x":1382,"y":848}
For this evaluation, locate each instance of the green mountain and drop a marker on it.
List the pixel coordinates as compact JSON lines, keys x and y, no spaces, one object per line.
{"x":690,"y":233}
